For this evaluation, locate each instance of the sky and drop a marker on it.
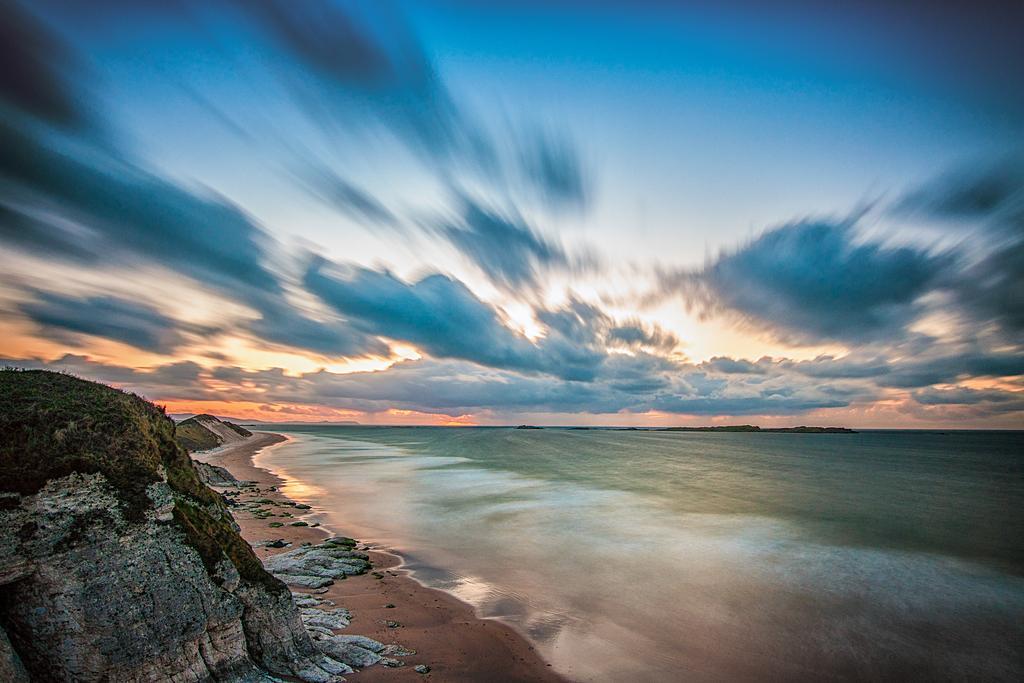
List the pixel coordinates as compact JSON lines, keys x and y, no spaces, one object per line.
{"x":556,"y":213}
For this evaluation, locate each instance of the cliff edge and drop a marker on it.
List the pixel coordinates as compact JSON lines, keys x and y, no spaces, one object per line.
{"x":116,"y":562}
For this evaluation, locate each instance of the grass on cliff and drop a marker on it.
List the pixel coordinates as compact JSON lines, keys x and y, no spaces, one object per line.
{"x":214,"y":539}
{"x":52,"y":425}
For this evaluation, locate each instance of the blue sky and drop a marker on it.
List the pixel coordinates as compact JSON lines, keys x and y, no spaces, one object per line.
{"x":624,"y":213}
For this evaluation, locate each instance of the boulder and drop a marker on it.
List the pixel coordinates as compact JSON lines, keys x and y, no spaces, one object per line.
{"x":324,"y":560}
{"x":335,"y":619}
{"x":347,"y":651}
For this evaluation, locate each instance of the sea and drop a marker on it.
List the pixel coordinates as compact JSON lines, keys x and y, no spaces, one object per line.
{"x":693,"y":556}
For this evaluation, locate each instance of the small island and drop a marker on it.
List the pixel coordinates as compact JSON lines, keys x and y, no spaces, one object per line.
{"x":755,"y":428}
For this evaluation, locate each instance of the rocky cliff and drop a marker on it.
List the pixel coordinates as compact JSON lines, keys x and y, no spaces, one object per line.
{"x":116,"y":562}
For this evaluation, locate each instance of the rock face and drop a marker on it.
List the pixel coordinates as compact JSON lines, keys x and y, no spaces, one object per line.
{"x":116,"y":562}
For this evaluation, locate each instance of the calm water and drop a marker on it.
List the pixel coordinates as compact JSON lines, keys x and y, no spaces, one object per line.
{"x":657,"y":556}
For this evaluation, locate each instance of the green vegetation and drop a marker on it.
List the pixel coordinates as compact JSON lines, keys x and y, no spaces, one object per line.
{"x":52,"y":425}
{"x":214,"y":539}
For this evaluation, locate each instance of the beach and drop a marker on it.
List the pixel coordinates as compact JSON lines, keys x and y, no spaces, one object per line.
{"x":445,"y":632}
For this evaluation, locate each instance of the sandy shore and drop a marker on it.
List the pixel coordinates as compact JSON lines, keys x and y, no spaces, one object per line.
{"x":446,"y":634}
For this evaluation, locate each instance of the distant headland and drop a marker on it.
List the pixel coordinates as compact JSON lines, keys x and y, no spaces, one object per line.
{"x":755,"y":428}
{"x":717,"y":428}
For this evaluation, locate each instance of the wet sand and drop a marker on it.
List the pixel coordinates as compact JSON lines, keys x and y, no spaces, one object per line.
{"x":445,"y":633}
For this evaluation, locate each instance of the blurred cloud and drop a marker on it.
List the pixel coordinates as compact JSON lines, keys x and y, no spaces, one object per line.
{"x":330,"y":187}
{"x":109,"y":317}
{"x":814,"y":280}
{"x":733,"y":366}
{"x":503,"y":246}
{"x":553,"y":166}
{"x":37,"y":68}
{"x":990,"y":200}
{"x":445,"y":319}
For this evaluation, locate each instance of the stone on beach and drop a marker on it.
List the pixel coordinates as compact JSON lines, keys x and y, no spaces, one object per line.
{"x":325,"y":670}
{"x":350,"y":649}
{"x":336,"y":619}
{"x":306,"y":600}
{"x":324,"y":560}
{"x":320,"y":582}
{"x":341,"y":540}
{"x":360,"y":651}
{"x":212,"y":475}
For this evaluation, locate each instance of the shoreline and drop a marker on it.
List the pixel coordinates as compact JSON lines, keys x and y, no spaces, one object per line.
{"x":445,"y":632}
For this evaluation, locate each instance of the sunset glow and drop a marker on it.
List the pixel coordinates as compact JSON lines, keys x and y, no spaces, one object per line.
{"x":674,"y":216}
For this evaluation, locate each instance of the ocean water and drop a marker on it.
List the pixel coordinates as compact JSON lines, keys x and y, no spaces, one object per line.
{"x":661,"y":556}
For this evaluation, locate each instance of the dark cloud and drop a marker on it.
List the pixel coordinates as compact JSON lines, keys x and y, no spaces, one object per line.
{"x":915,"y":372}
{"x":450,"y":387}
{"x":626,"y":383}
{"x":850,"y":367}
{"x":732,"y":366}
{"x":968,"y":396}
{"x":116,"y":208}
{"x":636,"y":334}
{"x":103,"y":209}
{"x":992,"y":194}
{"x":442,"y":317}
{"x":992,"y":291}
{"x":39,"y":234}
{"x":368,"y":62}
{"x":328,"y":39}
{"x":745,"y":405}
{"x":990,"y":287}
{"x":328,"y":186}
{"x":641,"y":373}
{"x":283,"y":323}
{"x":503,"y":246}
{"x":437,"y":313}
{"x":173,"y":380}
{"x":813,"y":281}
{"x":94,"y":207}
{"x":553,"y":167}
{"x":377,"y":72}
{"x":37,"y":66}
{"x":109,"y":317}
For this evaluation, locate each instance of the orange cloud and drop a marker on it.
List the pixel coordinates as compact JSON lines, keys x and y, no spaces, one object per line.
{"x":292,"y":412}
